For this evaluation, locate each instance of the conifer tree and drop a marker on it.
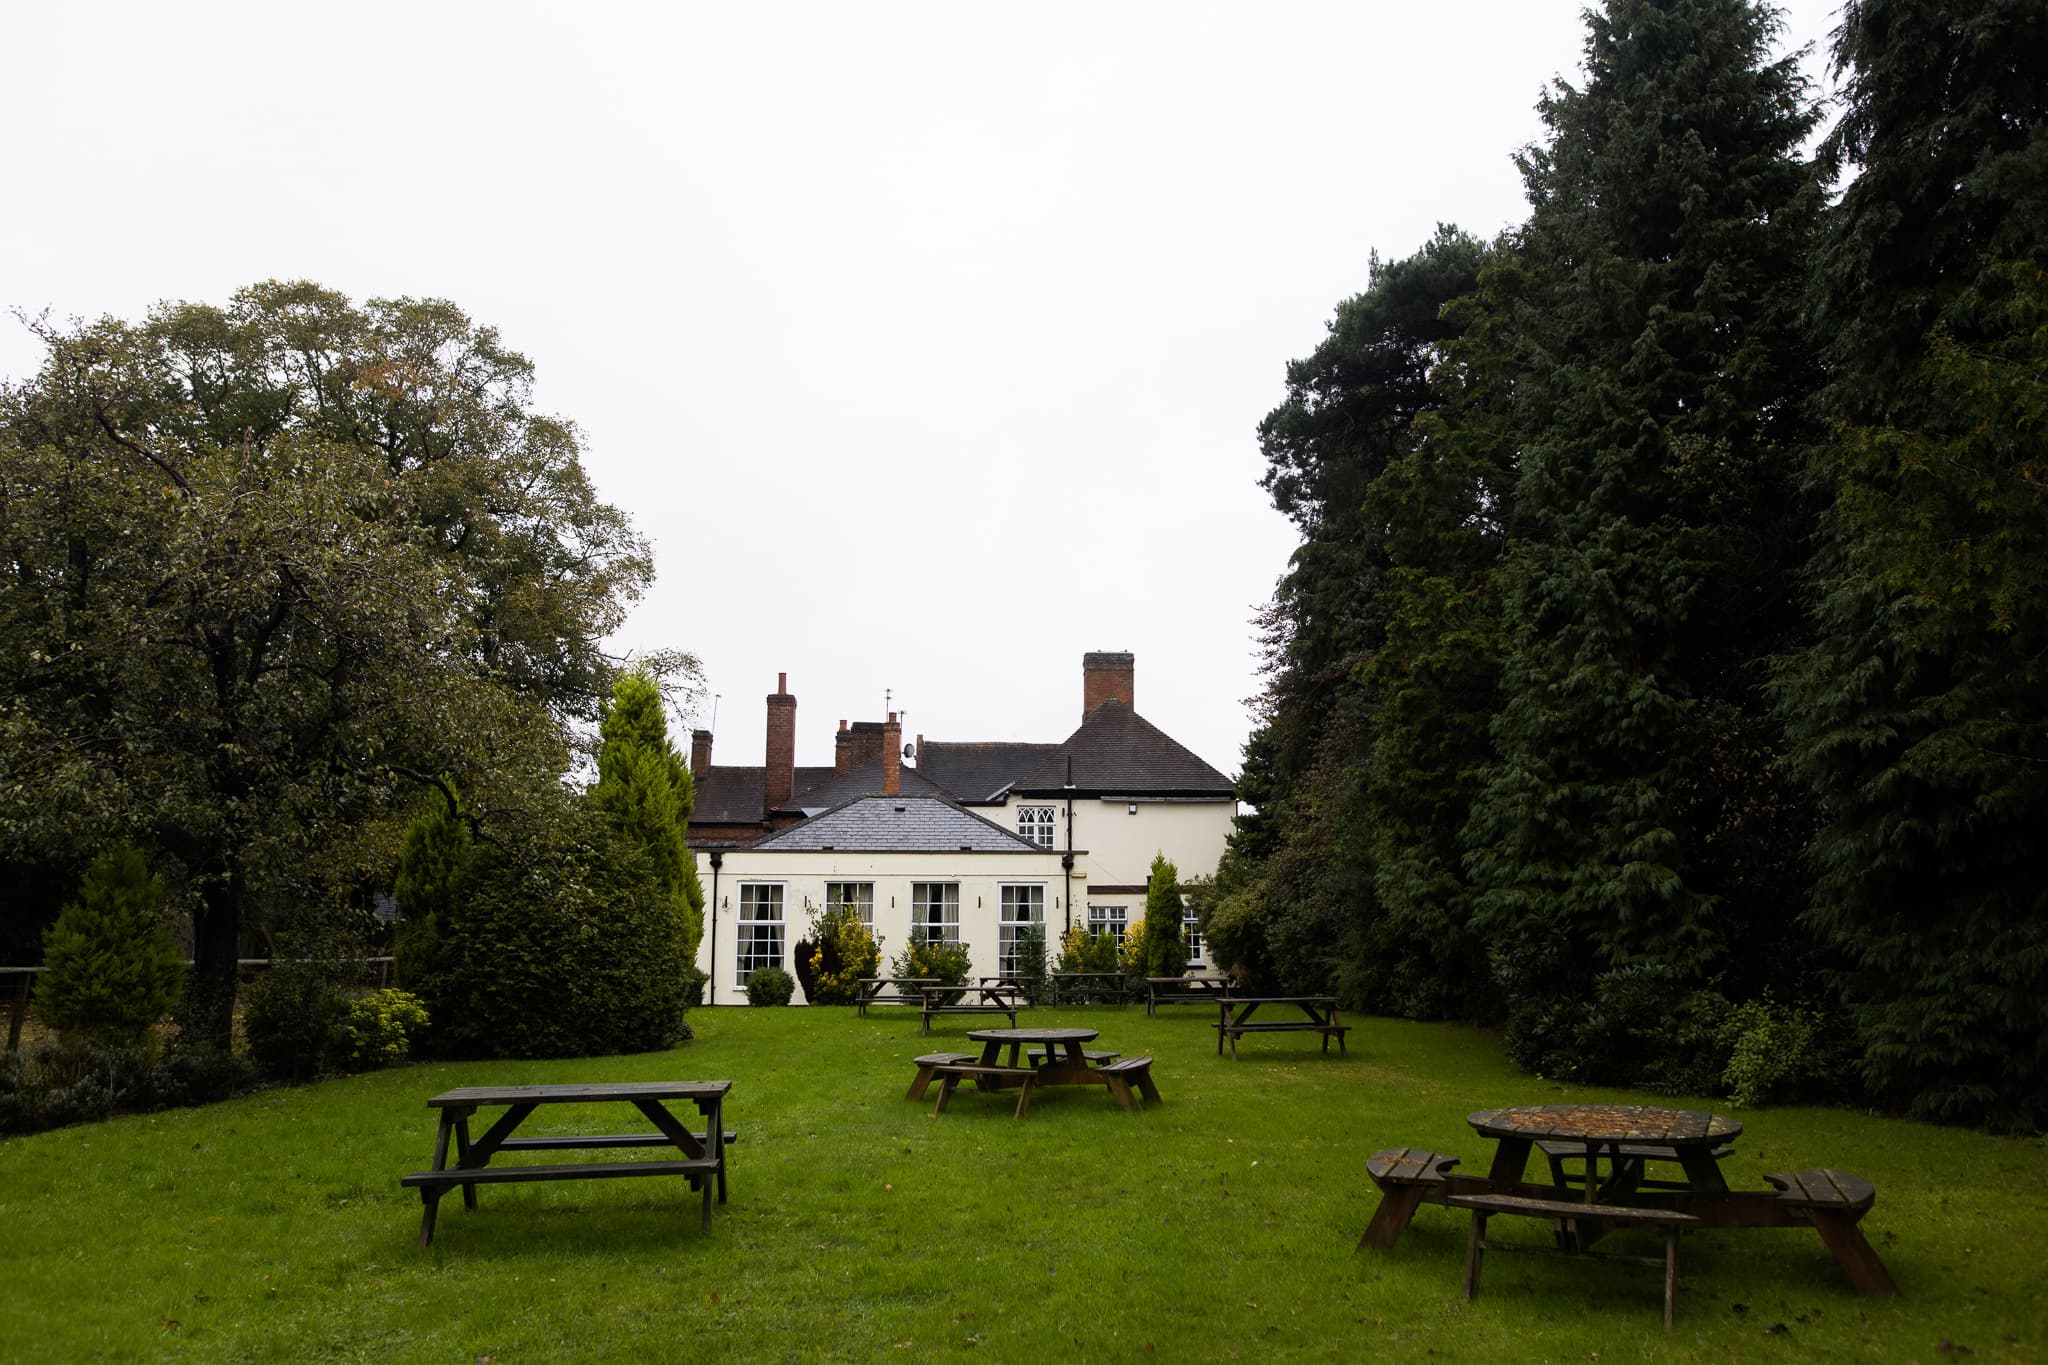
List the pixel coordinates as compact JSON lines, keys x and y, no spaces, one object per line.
{"x":1166,"y":948}
{"x":432,"y":863}
{"x":645,"y":789}
{"x":1651,"y":573}
{"x":111,"y":969}
{"x":1921,"y":708}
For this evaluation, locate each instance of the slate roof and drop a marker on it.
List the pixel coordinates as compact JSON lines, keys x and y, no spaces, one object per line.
{"x":729,"y":795}
{"x":1117,"y":752}
{"x":978,"y":772}
{"x":864,"y":780}
{"x":896,"y":824}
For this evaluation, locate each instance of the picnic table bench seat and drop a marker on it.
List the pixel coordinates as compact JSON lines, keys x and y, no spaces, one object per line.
{"x":1407,"y":1177}
{"x":1567,"y":1215}
{"x":928,"y":1065}
{"x":1834,"y":1202}
{"x":952,"y":1000}
{"x":1126,"y":1074}
{"x":950,"y":1074}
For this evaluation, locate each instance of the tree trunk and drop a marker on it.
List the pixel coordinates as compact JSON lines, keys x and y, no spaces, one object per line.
{"x":209,"y":1007}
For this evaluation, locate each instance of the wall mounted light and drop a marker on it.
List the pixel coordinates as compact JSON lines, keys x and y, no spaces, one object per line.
{"x":1134,"y":808}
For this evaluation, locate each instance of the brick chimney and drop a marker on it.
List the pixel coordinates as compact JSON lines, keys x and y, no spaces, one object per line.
{"x":1107,"y":676}
{"x":778,"y":776}
{"x":700,"y":752}
{"x":892,"y":756}
{"x":857,"y":744}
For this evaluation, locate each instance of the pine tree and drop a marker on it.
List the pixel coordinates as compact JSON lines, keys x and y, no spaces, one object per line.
{"x":111,"y":969}
{"x":1921,"y":708}
{"x":1660,"y":375}
{"x":645,"y":789}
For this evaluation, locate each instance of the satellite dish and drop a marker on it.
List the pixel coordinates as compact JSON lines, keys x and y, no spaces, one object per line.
{"x":910,"y":751}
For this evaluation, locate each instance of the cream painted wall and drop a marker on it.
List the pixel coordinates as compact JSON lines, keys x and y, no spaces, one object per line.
{"x":1120,"y":845}
{"x":802,"y":876}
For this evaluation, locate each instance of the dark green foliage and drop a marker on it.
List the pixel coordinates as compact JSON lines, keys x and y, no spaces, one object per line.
{"x":645,"y":790}
{"x":432,"y":863}
{"x":293,"y":1015}
{"x":1919,"y":706}
{"x":1081,"y":951}
{"x":770,"y":986}
{"x":1652,"y":569}
{"x":111,"y":969}
{"x":561,"y":943}
{"x":261,"y":560}
{"x":1166,"y":948}
{"x":1034,"y":965}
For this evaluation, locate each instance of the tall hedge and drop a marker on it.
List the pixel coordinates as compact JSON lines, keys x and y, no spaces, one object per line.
{"x":561,"y":942}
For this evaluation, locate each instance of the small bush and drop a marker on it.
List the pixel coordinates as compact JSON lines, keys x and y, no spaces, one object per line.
{"x":197,"y":1074}
{"x":1032,"y":965}
{"x":837,"y":953}
{"x":377,"y":1029}
{"x":1081,"y":951}
{"x":770,"y":986}
{"x":72,"y":1081}
{"x":291,"y":1017}
{"x":1774,"y":1052}
{"x":1130,"y":951}
{"x":110,"y":967}
{"x":946,"y":963}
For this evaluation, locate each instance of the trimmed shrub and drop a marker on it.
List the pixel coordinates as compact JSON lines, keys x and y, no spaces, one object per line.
{"x":561,"y":943}
{"x":110,"y":967}
{"x":770,"y":986}
{"x":377,"y":1029}
{"x":1032,"y":964}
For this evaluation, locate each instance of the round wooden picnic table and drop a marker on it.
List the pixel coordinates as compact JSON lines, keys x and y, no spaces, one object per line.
{"x":992,"y":1041}
{"x":1690,"y":1135}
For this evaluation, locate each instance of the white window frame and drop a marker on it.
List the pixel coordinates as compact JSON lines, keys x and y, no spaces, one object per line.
{"x":1022,"y":903}
{"x":863,"y":899}
{"x":1191,"y":930}
{"x":935,"y":905}
{"x":1039,"y":824}
{"x":1110,"y":919}
{"x":760,"y":936}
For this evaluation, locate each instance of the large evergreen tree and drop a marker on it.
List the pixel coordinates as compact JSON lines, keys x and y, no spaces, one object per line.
{"x":1921,"y":708}
{"x":1660,"y":376}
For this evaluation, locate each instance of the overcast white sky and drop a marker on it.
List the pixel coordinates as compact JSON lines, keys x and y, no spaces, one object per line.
{"x":926,"y":342}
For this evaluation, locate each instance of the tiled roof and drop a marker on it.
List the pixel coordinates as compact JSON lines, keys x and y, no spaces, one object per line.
{"x":897,"y":824}
{"x":978,"y":772}
{"x":729,"y":795}
{"x":864,"y":780}
{"x":1118,"y":752}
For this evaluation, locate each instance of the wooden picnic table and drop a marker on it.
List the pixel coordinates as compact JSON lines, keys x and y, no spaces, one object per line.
{"x":890,"y":990}
{"x":1615,"y":1142}
{"x":1184,"y":990}
{"x":699,"y":1156}
{"x":1002,"y":1000}
{"x":1319,"y":1011}
{"x":1064,"y":1060}
{"x":1607,"y":1132}
{"x":1089,"y":988}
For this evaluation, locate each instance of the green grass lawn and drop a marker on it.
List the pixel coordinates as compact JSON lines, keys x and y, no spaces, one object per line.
{"x":1218,"y":1225}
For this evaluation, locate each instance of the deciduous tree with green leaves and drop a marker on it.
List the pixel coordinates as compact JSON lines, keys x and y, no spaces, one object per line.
{"x":259,"y":562}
